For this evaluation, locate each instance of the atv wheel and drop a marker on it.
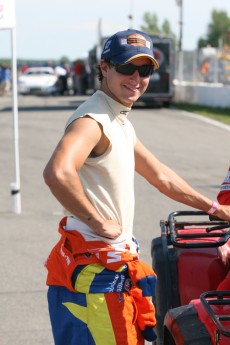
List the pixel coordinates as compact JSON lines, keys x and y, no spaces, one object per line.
{"x":167,"y":295}
{"x":182,"y":326}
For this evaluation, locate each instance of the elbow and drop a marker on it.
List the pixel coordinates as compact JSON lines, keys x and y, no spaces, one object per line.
{"x":48,"y":176}
{"x":59,"y":176}
{"x":52,"y":177}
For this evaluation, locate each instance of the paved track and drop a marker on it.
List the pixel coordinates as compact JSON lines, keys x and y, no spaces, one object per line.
{"x":198,"y":151}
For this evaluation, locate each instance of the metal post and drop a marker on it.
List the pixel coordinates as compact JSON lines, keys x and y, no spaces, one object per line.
{"x":15,"y":186}
{"x":180,"y":43}
{"x":130,"y":16}
{"x":180,"y":25}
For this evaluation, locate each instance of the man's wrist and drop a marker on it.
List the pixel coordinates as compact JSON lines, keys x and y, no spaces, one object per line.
{"x":214,"y":207}
{"x":95,"y":222}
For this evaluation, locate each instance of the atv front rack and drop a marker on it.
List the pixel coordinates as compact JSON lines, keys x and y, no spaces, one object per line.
{"x":195,"y":234}
{"x":217,"y":298}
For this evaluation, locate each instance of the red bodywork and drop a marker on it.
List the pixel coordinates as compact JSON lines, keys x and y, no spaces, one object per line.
{"x":216,"y":337}
{"x":201,"y":269}
{"x":212,"y":328}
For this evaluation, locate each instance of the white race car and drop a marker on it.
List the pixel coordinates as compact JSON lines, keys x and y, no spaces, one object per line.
{"x":38,"y":81}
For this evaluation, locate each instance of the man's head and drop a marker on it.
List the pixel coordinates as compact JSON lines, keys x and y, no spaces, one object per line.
{"x":125,"y":46}
{"x":127,"y":62}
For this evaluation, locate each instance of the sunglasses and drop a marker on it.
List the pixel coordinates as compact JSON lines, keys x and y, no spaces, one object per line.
{"x":129,"y":69}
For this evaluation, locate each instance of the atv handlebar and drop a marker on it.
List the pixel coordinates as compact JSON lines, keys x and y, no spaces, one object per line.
{"x":196,"y":234}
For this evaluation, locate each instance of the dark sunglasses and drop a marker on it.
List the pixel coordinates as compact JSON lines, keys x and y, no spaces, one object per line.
{"x":129,"y":69}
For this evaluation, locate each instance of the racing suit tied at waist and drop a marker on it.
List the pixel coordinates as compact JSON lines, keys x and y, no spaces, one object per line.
{"x":73,"y":251}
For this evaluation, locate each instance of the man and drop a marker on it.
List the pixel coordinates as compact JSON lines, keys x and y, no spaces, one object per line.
{"x":62,"y":74}
{"x":223,"y":196}
{"x":99,"y":290}
{"x":5,"y":80}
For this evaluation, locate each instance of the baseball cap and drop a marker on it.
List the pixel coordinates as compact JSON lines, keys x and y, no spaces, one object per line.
{"x":125,"y":46}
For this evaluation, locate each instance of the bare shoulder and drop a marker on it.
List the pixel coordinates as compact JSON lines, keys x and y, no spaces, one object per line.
{"x":86,"y":132}
{"x":83,"y":125}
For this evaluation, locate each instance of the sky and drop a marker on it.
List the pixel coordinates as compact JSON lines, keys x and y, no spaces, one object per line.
{"x":51,"y":29}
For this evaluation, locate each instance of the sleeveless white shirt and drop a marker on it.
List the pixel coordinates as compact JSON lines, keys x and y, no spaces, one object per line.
{"x":108,"y":180}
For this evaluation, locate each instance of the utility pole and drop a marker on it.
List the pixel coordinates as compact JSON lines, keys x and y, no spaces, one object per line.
{"x":180,"y":43}
{"x":130,"y":16}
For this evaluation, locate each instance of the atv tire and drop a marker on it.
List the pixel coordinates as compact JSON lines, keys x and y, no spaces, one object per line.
{"x":189,"y":329}
{"x":167,"y":295}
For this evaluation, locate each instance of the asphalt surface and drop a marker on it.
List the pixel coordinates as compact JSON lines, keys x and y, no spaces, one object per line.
{"x":197,"y":150}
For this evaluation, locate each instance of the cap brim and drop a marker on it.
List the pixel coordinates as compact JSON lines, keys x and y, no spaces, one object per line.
{"x":154,"y":61}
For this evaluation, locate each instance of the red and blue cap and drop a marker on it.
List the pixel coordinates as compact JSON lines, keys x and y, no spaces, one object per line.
{"x":125,"y":46}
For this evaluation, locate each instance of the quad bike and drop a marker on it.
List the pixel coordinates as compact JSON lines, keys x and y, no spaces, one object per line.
{"x":191,"y":260}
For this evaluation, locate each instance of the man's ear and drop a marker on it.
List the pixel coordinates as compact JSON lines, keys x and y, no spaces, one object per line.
{"x":104,"y":68}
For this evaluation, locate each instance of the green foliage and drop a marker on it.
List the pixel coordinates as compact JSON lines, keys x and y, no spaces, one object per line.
{"x":64,"y":59}
{"x":166,"y":29}
{"x":33,"y":62}
{"x":5,"y":62}
{"x":152,"y":26}
{"x":217,"y":30}
{"x":216,"y":113}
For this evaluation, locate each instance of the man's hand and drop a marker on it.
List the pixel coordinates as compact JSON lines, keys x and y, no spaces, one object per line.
{"x":109,"y":229}
{"x":223,"y":212}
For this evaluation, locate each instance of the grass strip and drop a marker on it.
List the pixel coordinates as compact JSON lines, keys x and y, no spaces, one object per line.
{"x":219,"y":114}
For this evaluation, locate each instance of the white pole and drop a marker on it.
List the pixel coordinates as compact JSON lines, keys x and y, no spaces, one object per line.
{"x":15,"y":186}
{"x":180,"y":45}
{"x":181,"y":66}
{"x":130,"y":16}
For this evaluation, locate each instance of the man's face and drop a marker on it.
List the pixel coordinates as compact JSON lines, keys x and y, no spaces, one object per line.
{"x":125,"y":89}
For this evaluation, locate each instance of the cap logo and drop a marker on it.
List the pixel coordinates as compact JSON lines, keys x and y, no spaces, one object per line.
{"x":107,"y":47}
{"x":136,"y":40}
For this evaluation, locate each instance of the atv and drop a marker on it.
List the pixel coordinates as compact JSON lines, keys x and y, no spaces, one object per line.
{"x":191,"y":259}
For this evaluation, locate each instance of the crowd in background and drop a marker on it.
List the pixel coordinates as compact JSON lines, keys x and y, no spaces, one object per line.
{"x":73,"y":78}
{"x":5,"y":79}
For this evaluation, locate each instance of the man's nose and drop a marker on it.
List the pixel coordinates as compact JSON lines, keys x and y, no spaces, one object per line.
{"x":135,"y":75}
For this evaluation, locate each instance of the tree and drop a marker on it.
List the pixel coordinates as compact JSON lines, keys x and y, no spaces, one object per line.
{"x":151,"y":25}
{"x":166,"y":29}
{"x":64,"y":59}
{"x":217,"y":31}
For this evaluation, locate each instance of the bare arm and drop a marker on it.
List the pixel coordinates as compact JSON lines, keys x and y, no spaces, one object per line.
{"x":172,"y":185}
{"x":82,"y":137}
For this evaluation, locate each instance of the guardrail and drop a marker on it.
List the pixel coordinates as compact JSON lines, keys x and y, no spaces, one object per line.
{"x":201,"y":93}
